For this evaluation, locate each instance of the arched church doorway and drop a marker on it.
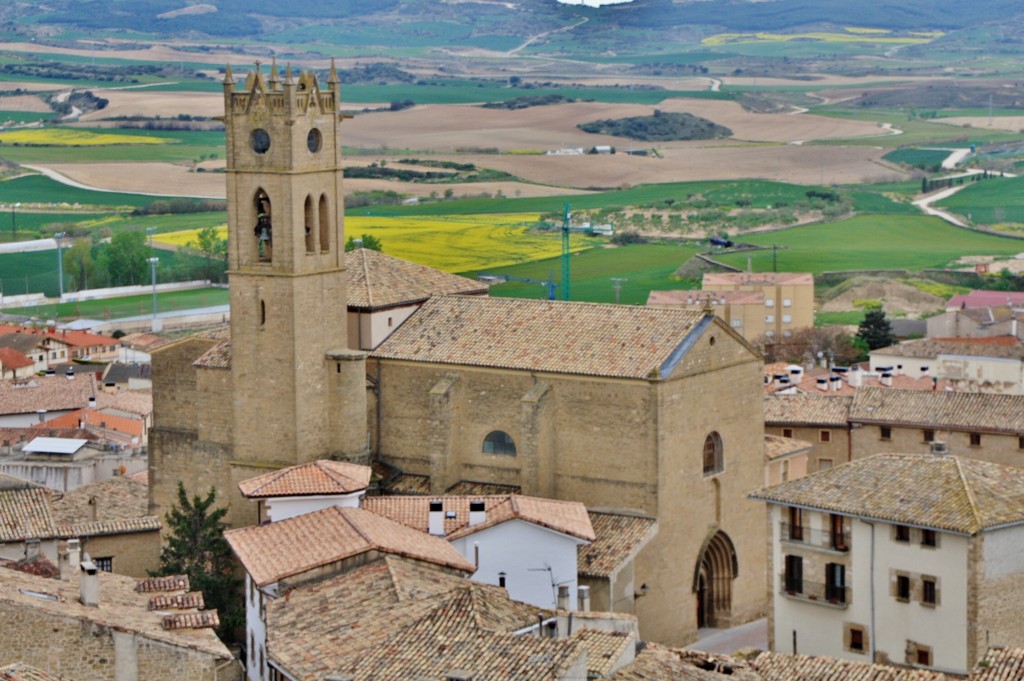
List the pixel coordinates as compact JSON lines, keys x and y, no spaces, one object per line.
{"x":714,"y":572}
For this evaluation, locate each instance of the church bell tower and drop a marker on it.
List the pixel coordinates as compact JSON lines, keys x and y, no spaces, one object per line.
{"x":286,"y":271}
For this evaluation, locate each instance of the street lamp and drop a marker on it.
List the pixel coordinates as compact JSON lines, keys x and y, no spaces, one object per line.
{"x":149,"y":232}
{"x":60,"y":261}
{"x":152,"y":268}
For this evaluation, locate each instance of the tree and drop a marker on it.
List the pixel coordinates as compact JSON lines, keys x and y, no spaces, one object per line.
{"x":365,"y":241}
{"x":875,"y":330}
{"x":79,"y":265}
{"x":805,"y":344}
{"x":214,"y":249}
{"x":196,"y":547}
{"x":126,"y":258}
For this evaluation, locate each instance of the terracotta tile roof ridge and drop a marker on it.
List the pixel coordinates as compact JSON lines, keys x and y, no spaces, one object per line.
{"x":347,"y":478}
{"x":159,"y":584}
{"x":969,"y":493}
{"x":366,"y":274}
{"x":203,"y":619}
{"x":98,"y":528}
{"x":191,"y":601}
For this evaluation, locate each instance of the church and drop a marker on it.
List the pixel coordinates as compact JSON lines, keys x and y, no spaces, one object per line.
{"x":654,"y":412}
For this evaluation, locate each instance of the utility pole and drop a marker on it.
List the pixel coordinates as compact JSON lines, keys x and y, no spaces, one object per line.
{"x":14,"y":221}
{"x":59,"y":236}
{"x":617,"y":285}
{"x":152,"y":266}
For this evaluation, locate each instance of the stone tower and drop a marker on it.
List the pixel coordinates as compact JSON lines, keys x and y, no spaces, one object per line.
{"x":298,"y":395}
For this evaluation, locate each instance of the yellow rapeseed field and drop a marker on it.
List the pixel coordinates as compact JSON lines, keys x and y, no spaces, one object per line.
{"x":65,"y":137}
{"x":456,"y":243}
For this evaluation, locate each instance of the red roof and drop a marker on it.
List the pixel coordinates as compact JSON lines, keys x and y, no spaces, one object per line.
{"x":985,"y":299}
{"x":12,"y":359}
{"x":91,"y":418}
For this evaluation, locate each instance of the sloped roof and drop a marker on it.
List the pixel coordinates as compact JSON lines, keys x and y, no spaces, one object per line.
{"x":932,"y":348}
{"x":217,"y":357}
{"x":778,"y":447}
{"x":23,"y":672}
{"x":353,"y":622}
{"x":315,"y":477}
{"x":808,"y":409}
{"x":116,"y":506}
{"x":24,"y":510}
{"x":538,"y":335}
{"x":567,"y":517}
{"x":943,"y":409}
{"x":947,"y":493}
{"x":290,"y":547}
{"x":472,"y":488}
{"x":662,"y":663}
{"x":618,"y":539}
{"x":376,"y":281}
{"x":757,"y":279}
{"x":138,"y":402}
{"x":781,"y":667}
{"x":52,"y":393}
{"x":1000,"y":664}
{"x":130,"y":427}
{"x":985,"y":299}
{"x":408,"y":483}
{"x":12,"y":359}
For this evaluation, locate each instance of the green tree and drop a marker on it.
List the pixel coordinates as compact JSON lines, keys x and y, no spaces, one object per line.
{"x":196,"y":547}
{"x":79,"y":265}
{"x":875,"y":330}
{"x":214,"y":250}
{"x":126,"y":258}
{"x":365,"y":241}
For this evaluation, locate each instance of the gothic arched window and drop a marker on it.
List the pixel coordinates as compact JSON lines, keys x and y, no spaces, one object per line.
{"x":713,"y":459}
{"x":499,"y":442}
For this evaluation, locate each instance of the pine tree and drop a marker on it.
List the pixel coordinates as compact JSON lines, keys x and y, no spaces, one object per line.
{"x":876,"y":330}
{"x":196,"y":547}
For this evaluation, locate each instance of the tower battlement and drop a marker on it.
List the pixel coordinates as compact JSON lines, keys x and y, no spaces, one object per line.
{"x":277,"y":96}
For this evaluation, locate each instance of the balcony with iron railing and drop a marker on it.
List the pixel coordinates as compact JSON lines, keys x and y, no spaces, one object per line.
{"x":816,"y":592}
{"x":814,"y":538}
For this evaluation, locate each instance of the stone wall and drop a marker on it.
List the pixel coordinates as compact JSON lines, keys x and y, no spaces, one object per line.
{"x":836,"y":450}
{"x":80,"y":649}
{"x":133,"y":554}
{"x":998,"y":448}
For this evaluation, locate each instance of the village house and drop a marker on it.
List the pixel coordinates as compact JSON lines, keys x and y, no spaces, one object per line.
{"x":14,"y":365}
{"x":791,"y":379}
{"x":906,"y":559}
{"x":24,"y":403}
{"x":64,"y":464}
{"x":44,"y":351}
{"x":647,"y":411}
{"x":822,"y":420}
{"x":743,"y":311}
{"x":88,"y":624}
{"x":990,"y":365}
{"x":788,"y":297}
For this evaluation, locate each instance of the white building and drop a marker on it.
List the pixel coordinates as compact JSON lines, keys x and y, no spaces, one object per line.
{"x":976,"y":366}
{"x":905,"y":559}
{"x":306,"y":488}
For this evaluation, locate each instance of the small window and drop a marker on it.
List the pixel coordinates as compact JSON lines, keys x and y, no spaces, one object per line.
{"x":769,"y":302}
{"x":796,"y":524}
{"x":787,"y":318}
{"x":825,"y":464}
{"x":787,"y":334}
{"x":737,"y":323}
{"x":855,"y":638}
{"x":499,"y":442}
{"x":885,"y":432}
{"x":825,"y":436}
{"x":769,"y":319}
{"x":391,"y":322}
{"x":837,"y":533}
{"x":787,"y":432}
{"x":786,"y":302}
{"x":929,"y":591}
{"x":903,"y":534}
{"x":929,"y":538}
{"x":769,"y":334}
{"x":924,"y":656}
{"x":903,"y":588}
{"x":794,"y":577}
{"x":1020,"y":442}
{"x":975,"y":439}
{"x":928,"y":434}
{"x":835,"y":582}
{"x":712,"y":457}
{"x":105,"y":564}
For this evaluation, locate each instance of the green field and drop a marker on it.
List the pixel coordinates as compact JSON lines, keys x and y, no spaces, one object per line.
{"x":910,"y":242}
{"x":129,"y":306}
{"x":848,"y":318}
{"x":918,"y":158}
{"x":989,"y":201}
{"x":646,"y":267}
{"x":39,"y":189}
{"x":179,"y":145}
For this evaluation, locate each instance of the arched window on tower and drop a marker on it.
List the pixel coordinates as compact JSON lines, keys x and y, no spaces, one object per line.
{"x":308,"y":217}
{"x":325,"y":225}
{"x":499,"y":442}
{"x":713,"y":458}
{"x":263,"y":231}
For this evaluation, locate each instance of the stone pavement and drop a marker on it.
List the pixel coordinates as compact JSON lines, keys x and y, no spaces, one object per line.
{"x":727,"y":641}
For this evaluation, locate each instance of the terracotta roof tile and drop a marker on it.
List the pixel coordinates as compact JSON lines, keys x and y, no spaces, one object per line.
{"x":408,"y":483}
{"x":942,"y":492}
{"x":24,"y":511}
{"x":471,"y":488}
{"x":15,"y":436}
{"x":162,"y":584}
{"x":809,"y":409}
{"x":206,"y":619}
{"x":23,"y":672}
{"x":193,"y":600}
{"x":290,"y":547}
{"x":661,"y":663}
{"x":538,"y":335}
{"x":376,"y":280}
{"x":777,"y":447}
{"x":779,"y":667}
{"x":985,"y":299}
{"x":117,"y":499}
{"x":568,"y":517}
{"x":618,"y":539}
{"x":217,"y":357}
{"x":758,"y":279}
{"x":1000,"y":664}
{"x":109,"y":423}
{"x":138,"y":402}
{"x":40,"y":567}
{"x":52,"y":393}
{"x":954,"y":410}
{"x":12,"y":359}
{"x":315,"y":477}
{"x":604,"y":650}
{"x":121,"y":608}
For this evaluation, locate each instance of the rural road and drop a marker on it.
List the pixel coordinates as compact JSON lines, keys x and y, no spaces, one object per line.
{"x":925,"y":205}
{"x":64,"y":179}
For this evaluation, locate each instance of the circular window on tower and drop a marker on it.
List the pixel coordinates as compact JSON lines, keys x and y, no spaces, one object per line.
{"x":314,"y":140}
{"x":260,"y":140}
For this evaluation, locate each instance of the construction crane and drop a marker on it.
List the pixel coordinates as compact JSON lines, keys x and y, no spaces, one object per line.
{"x":566,"y":228}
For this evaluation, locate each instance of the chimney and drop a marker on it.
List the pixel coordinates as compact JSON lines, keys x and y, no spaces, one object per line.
{"x":74,"y":554}
{"x":924,"y":370}
{"x":837,"y":383}
{"x":64,"y":565}
{"x":583,"y":596}
{"x":563,"y":596}
{"x":70,"y":374}
{"x":89,"y":583}
{"x":92,"y":402}
{"x":41,"y":414}
{"x":435,"y":521}
{"x":502,"y":577}
{"x":938,"y":448}
{"x":856,"y":377}
{"x":477,"y":513}
{"x":823,"y":384}
{"x":886,"y":379}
